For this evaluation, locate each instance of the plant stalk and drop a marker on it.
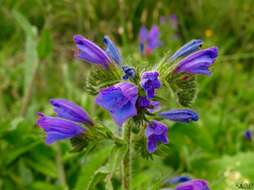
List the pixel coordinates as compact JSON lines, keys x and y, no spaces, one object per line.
{"x":127,"y":161}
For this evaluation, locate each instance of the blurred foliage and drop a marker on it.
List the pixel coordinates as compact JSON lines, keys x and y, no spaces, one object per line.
{"x":37,"y":63}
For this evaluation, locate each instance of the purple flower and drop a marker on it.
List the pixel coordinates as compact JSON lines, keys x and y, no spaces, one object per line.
{"x":144,"y":103}
{"x":156,"y":132}
{"x":187,"y":49}
{"x":150,"y":82}
{"x":57,"y":128}
{"x":119,"y":100}
{"x":180,"y":115}
{"x":149,"y":40}
{"x":68,"y":110}
{"x":195,"y":184}
{"x":248,"y":135}
{"x":198,"y":62}
{"x":90,"y":52}
{"x":112,"y":50}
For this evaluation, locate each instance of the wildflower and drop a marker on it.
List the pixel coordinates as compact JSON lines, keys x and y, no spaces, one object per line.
{"x":178,"y":179}
{"x":156,"y":132}
{"x":149,"y":40}
{"x":68,"y":122}
{"x":248,"y":135}
{"x":150,"y":82}
{"x":68,"y":110}
{"x":198,"y":62}
{"x":112,"y":50}
{"x":187,"y":49}
{"x":90,"y":52}
{"x":180,"y":115}
{"x":57,"y":128}
{"x":144,"y":103}
{"x":119,"y":100}
{"x":195,"y":184}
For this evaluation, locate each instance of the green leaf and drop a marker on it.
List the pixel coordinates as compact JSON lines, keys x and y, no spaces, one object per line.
{"x":45,"y":45}
{"x":93,"y":163}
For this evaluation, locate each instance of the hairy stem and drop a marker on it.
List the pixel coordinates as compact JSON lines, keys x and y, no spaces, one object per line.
{"x":60,"y":168}
{"x":127,"y":161}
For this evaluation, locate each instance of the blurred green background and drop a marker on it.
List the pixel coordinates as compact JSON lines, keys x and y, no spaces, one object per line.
{"x":37,"y":63}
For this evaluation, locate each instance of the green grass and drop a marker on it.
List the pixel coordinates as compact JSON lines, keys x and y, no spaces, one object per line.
{"x":37,"y":63}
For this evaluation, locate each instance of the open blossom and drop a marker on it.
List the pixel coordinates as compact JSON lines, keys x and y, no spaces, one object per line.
{"x":90,"y":52}
{"x":149,"y":40}
{"x":156,"y":133}
{"x":68,"y":110}
{"x":180,"y":115}
{"x":195,"y":184}
{"x":150,"y":82}
{"x":119,"y":100}
{"x":68,"y":122}
{"x":187,"y":49}
{"x":57,"y":128}
{"x":198,"y":62}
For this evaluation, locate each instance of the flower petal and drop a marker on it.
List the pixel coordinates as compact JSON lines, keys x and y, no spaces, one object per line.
{"x":198,"y":62}
{"x":180,"y":115}
{"x":57,"y":128}
{"x":68,"y":110}
{"x":112,"y":50}
{"x":187,"y":49}
{"x":119,"y":100}
{"x":90,"y":52}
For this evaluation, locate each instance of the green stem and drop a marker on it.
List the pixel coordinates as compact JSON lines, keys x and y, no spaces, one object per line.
{"x":126,"y":164}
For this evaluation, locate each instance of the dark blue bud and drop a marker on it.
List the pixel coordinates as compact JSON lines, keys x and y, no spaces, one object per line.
{"x":112,"y":50}
{"x":178,"y":179}
{"x":248,"y":135}
{"x":129,"y":72}
{"x":187,"y":49}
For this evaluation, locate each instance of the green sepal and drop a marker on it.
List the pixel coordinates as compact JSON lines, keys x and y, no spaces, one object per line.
{"x":184,"y":86}
{"x":99,"y":78}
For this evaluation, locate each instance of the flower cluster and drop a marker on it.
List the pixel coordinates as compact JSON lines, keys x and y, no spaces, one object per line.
{"x":129,"y":99}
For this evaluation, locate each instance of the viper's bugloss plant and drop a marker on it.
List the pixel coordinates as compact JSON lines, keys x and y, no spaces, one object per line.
{"x":131,"y":95}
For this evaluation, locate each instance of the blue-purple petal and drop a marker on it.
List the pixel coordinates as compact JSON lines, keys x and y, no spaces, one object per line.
{"x":198,"y":62}
{"x":143,"y":34}
{"x":153,"y":39}
{"x":112,"y":50}
{"x":57,"y":128}
{"x":156,"y":133}
{"x":69,"y":110}
{"x":119,"y":100}
{"x":195,"y":184}
{"x":150,"y":82}
{"x":90,"y":52}
{"x":180,"y":115}
{"x":187,"y":49}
